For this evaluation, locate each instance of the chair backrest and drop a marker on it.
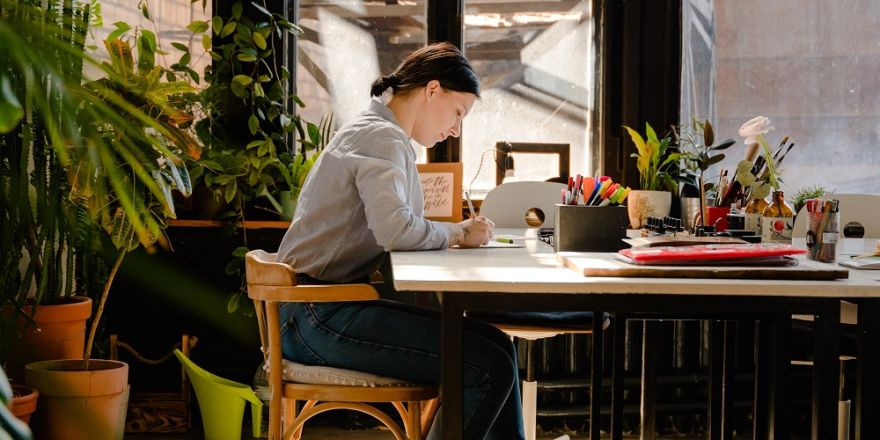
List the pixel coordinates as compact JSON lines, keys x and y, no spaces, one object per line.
{"x":508,"y":204}
{"x":861,"y":208}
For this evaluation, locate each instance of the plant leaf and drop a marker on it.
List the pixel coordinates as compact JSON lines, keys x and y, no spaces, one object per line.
{"x":217,"y":24}
{"x":253,"y":124}
{"x":236,"y":9}
{"x":229,"y":192}
{"x":724,"y":145}
{"x":232,"y":302}
{"x":121,"y":28}
{"x":708,"y":133}
{"x":228,"y":29}
{"x":714,"y":159}
{"x":198,"y":26}
{"x":259,"y":40}
{"x":650,"y":133}
{"x":10,"y":109}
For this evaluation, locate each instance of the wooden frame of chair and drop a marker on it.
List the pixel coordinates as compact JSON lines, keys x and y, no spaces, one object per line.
{"x":506,"y":148}
{"x":269,"y":284}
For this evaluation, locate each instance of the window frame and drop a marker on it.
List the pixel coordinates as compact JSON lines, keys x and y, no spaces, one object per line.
{"x":629,"y":34}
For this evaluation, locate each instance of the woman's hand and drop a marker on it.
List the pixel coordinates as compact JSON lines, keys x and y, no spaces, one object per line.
{"x":475,"y":232}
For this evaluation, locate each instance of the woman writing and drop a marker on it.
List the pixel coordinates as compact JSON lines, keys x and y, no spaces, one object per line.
{"x":363,"y":199}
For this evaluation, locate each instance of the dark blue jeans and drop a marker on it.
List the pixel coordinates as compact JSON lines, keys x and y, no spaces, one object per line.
{"x":403,"y":341}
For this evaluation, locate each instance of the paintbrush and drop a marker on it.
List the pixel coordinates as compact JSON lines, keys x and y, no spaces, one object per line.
{"x":779,"y":148}
{"x":785,"y":153}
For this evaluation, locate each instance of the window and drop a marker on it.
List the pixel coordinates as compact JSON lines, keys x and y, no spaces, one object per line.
{"x":348,"y":45}
{"x":811,"y":66}
{"x":534,"y":60}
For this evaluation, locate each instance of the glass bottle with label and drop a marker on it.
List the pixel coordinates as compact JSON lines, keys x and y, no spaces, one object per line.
{"x":777,"y":220}
{"x":753,"y":212}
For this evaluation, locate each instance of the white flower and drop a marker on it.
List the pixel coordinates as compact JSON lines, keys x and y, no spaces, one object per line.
{"x":758,"y":125}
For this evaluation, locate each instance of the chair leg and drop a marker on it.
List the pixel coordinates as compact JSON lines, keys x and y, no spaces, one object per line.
{"x":275,"y":428}
{"x":414,"y":416}
{"x":429,"y":411}
{"x":288,"y":414}
{"x":530,"y":408}
{"x":530,"y":394}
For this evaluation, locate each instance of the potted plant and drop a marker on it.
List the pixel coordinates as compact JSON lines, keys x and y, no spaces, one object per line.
{"x":117,"y":148}
{"x":42,"y":234}
{"x":252,"y":128}
{"x":698,"y":152}
{"x":656,"y":166}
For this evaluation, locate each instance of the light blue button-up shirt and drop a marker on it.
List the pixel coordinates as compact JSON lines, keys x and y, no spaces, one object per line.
{"x":362,"y":198}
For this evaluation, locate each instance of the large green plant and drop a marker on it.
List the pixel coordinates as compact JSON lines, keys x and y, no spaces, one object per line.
{"x":248,"y":82}
{"x":266,"y":159}
{"x":78,"y":157}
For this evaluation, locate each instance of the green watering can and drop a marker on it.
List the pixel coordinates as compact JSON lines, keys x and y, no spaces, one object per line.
{"x":221,"y":402}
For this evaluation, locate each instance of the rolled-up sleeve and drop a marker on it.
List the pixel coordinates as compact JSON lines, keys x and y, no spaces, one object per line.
{"x":385,"y":186}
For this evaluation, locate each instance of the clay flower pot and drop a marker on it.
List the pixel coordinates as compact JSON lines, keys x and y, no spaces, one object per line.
{"x":61,"y":335}
{"x":24,"y":402}
{"x":78,"y":404}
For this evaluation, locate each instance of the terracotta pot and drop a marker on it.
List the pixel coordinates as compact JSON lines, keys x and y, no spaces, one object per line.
{"x":61,"y":335}
{"x":642,"y":204}
{"x":77,"y":404}
{"x":24,"y":402}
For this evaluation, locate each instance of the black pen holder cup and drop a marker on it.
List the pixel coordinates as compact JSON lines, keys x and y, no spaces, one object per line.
{"x":581,"y":228}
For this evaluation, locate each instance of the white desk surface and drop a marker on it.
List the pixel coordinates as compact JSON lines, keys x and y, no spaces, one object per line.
{"x":534,"y":268}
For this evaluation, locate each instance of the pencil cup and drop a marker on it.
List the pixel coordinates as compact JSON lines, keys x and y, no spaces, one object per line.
{"x":822,"y":236}
{"x":590,"y":228}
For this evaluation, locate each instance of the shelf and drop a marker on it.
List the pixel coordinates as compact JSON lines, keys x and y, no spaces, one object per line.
{"x":248,"y":224}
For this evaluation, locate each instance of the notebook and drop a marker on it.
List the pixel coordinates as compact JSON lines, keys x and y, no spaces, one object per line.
{"x":713,"y":254}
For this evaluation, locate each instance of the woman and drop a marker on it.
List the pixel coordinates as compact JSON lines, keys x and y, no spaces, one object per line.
{"x":363,"y":199}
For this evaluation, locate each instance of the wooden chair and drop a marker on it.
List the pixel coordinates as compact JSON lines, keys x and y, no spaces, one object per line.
{"x":524,"y":205}
{"x":269,"y":284}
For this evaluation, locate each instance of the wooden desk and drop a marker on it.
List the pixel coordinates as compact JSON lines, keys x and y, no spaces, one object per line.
{"x":531,"y":278}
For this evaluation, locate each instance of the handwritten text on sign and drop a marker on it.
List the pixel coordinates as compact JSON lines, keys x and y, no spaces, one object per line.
{"x":437,"y":188}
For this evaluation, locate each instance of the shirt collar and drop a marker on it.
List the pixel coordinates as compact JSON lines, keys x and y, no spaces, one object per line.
{"x":382,"y":110}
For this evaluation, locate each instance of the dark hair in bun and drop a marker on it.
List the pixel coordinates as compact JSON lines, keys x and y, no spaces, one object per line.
{"x":439,"y":61}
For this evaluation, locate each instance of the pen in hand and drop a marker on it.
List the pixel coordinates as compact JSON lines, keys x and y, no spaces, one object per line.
{"x":467,"y":195}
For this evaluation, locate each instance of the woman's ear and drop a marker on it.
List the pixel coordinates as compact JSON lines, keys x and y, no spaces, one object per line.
{"x":432,"y":88}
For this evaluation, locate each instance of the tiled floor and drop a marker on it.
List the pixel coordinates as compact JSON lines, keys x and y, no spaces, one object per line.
{"x":311,"y":433}
{"x":331,"y":433}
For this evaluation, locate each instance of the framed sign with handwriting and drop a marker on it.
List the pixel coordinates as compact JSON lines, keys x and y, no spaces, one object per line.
{"x":441,"y":186}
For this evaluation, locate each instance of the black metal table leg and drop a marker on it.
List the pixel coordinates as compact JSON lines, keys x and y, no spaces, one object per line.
{"x":779,"y":381}
{"x":650,"y":340}
{"x":618,"y":332}
{"x":826,"y":371}
{"x":867,"y":405}
{"x":716,"y":379}
{"x":728,"y":375}
{"x":771,"y":378}
{"x":596,"y":376}
{"x":452,"y":373}
{"x":761,"y":425}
